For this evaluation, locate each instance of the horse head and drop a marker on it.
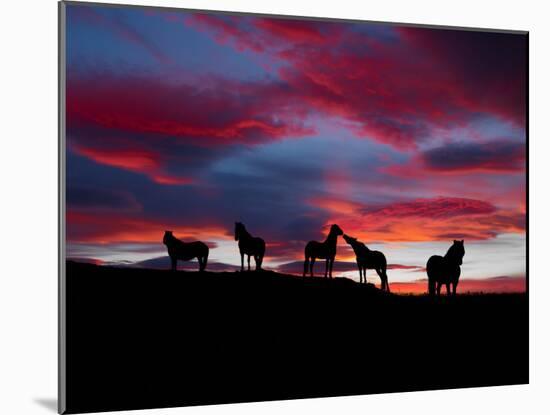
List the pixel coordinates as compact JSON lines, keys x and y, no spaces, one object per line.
{"x":336,"y":230}
{"x":167,"y":236}
{"x":349,"y":240}
{"x":457,"y":251}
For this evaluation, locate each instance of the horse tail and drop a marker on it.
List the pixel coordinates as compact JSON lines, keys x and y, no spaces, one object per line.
{"x":261,"y":254}
{"x":205,"y":258}
{"x":306,"y":260}
{"x":384,"y":269}
{"x":383,"y":263}
{"x":387,"y":282}
{"x":431,"y":275}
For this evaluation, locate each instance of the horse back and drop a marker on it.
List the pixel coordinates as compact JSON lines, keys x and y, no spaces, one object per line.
{"x":319,"y":250}
{"x":187,"y":251}
{"x":252,"y":246}
{"x":199,"y":247}
{"x":379,"y":259}
{"x":434,"y":265}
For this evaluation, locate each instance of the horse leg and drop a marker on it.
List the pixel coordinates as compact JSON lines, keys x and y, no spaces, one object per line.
{"x":249,"y":262}
{"x":306,"y":267}
{"x":431,"y":286}
{"x":438,"y":288}
{"x":382,"y":282}
{"x":454,"y":287}
{"x":311,"y":263}
{"x":326,"y":267}
{"x":242,"y":262}
{"x":205,"y":260}
{"x":174,"y":263}
{"x":330,"y":267}
{"x":385,"y":278}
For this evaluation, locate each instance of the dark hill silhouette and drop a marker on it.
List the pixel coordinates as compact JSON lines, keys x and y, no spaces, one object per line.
{"x":297,"y":267}
{"x":142,"y":338}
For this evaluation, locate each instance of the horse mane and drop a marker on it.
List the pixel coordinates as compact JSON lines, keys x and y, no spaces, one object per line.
{"x":243,"y":231}
{"x":454,"y":253}
{"x":362,"y":245}
{"x":332,"y":233}
{"x":170,"y":240}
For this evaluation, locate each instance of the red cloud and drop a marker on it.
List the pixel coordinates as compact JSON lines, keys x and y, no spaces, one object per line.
{"x":135,"y":160}
{"x":103,"y":228}
{"x":409,"y":267}
{"x":425,"y":220}
{"x":488,"y":68}
{"x":173,"y":180}
{"x":261,"y":34}
{"x":442,"y":207}
{"x":397,"y":92}
{"x":226,"y":112}
{"x":225,"y":29}
{"x":296,"y":31}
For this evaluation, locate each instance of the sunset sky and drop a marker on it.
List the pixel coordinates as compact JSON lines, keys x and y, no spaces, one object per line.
{"x":407,"y":138}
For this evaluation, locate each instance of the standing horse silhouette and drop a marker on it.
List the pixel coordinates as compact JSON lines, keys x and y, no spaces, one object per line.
{"x":445,"y":269}
{"x":185,"y":251}
{"x":249,"y":245}
{"x":322,"y":250}
{"x":367,"y":259}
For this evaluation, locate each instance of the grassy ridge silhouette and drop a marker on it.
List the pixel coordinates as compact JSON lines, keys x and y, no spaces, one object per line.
{"x":142,"y":338}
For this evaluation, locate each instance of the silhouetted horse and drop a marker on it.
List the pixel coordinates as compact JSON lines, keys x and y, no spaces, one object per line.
{"x":322,"y":250}
{"x":185,"y":251}
{"x":367,"y":259}
{"x":249,"y":245}
{"x":445,"y":269}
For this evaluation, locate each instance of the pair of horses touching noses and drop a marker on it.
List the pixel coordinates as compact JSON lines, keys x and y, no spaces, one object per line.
{"x":440,"y":269}
{"x":365,"y":258}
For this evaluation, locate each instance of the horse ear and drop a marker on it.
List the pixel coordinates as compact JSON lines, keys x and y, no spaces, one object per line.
{"x":462,"y":242}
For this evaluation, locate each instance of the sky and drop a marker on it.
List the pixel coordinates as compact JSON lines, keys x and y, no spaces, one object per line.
{"x":406,"y":137}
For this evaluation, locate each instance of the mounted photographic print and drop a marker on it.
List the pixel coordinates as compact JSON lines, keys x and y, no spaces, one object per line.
{"x":259,"y":207}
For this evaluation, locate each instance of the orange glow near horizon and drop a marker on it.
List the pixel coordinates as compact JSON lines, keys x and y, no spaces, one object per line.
{"x":489,"y":285}
{"x":126,"y":229}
